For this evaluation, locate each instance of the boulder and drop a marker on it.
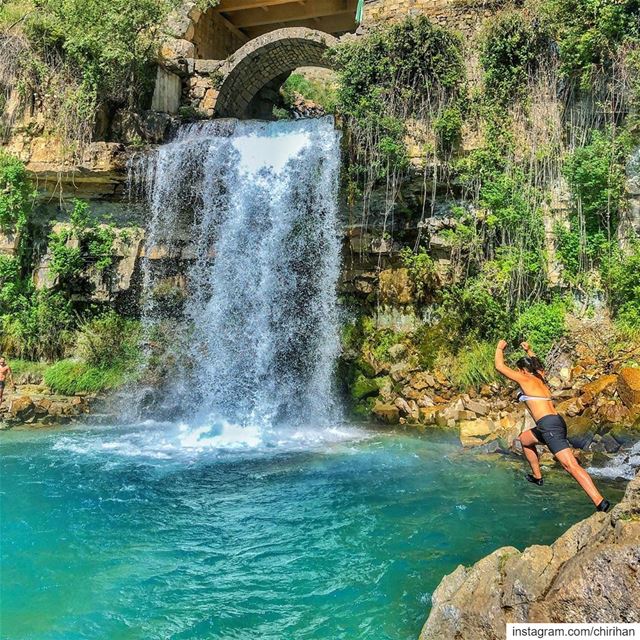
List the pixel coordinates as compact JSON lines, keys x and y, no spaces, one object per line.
{"x":629,"y":388}
{"x":580,"y":431}
{"x":590,"y":574}
{"x":613,"y":413}
{"x":397,"y":351}
{"x":21,"y":408}
{"x":400,"y":371}
{"x":422,"y":380}
{"x":610,"y":444}
{"x":364,"y":387}
{"x":428,"y":414}
{"x":386,"y":412}
{"x":600,"y":385}
{"x":570,"y":408}
{"x":479,"y":408}
{"x":476,"y":432}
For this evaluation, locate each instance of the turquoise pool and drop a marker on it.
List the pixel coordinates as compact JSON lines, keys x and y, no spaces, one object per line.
{"x":163,"y":531}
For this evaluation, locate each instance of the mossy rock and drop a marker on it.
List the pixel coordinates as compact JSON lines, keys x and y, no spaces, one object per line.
{"x":364,"y":408}
{"x":366,"y":387}
{"x":626,"y":435}
{"x":365,"y":368}
{"x":580,"y":431}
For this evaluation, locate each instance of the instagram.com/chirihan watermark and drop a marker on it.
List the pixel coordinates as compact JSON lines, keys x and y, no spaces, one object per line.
{"x":573,"y":630}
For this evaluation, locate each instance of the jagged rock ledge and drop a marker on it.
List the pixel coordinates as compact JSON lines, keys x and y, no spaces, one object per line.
{"x":589,"y":574}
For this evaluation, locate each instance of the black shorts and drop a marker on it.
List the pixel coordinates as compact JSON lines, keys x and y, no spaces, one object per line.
{"x":552,"y":430}
{"x":1,"y":385}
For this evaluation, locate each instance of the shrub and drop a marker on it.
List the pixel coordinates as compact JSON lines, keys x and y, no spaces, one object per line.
{"x":422,"y":271}
{"x":623,"y":275}
{"x":541,"y":325}
{"x":589,"y":33}
{"x":108,"y":339}
{"x":596,"y":174}
{"x":77,"y":248}
{"x":39,"y":326}
{"x":472,"y":366}
{"x":448,"y":129}
{"x":474,"y":308}
{"x":510,"y":51}
{"x":84,"y":54}
{"x":394,"y":73}
{"x":16,"y":194}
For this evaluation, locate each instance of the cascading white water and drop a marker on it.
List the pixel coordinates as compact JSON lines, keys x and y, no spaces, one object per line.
{"x":253,"y":205}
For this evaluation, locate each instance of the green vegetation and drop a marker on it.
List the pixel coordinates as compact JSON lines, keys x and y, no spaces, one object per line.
{"x":623,"y":276}
{"x":591,"y":34}
{"x":107,"y":355}
{"x":81,"y":56}
{"x":511,"y":49}
{"x":320,"y":91}
{"x":82,"y":245}
{"x":16,"y":194}
{"x":413,"y":69}
{"x":60,"y":319}
{"x":472,"y":366}
{"x":541,"y":324}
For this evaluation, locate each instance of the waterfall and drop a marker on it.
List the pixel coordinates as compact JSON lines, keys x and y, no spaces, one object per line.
{"x":241,"y":262}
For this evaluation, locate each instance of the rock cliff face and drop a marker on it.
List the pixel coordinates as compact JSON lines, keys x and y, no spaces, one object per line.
{"x":590,"y":574}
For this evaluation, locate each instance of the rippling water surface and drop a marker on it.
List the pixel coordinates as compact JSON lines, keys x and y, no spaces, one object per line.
{"x":163,"y":531}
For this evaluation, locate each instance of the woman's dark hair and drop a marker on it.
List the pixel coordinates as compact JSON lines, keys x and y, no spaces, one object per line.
{"x":532,"y":364}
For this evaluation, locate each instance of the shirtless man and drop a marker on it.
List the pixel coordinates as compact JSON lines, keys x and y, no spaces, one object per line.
{"x":6,"y":375}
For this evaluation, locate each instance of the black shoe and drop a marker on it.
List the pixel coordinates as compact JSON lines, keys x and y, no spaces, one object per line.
{"x":538,"y":481}
{"x":603,"y":506}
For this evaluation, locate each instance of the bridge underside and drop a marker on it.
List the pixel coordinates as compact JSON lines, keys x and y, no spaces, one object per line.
{"x":253,"y":18}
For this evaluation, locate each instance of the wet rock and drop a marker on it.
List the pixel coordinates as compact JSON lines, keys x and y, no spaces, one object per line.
{"x":590,"y":574}
{"x":610,"y":444}
{"x":365,"y":387}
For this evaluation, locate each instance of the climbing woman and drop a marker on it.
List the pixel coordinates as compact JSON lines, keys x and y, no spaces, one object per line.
{"x":550,"y":428}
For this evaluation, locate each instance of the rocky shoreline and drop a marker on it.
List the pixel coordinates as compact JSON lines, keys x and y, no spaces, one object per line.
{"x":589,"y":574}
{"x":602,"y":408}
{"x":37,"y":406}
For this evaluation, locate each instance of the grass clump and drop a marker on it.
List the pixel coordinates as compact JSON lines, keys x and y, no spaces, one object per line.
{"x":107,"y":355}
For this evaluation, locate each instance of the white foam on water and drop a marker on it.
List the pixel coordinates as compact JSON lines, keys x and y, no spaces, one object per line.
{"x":623,"y":466}
{"x":160,"y":441}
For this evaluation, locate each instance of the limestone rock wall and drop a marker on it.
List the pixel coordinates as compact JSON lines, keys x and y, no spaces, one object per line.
{"x":463,"y":15}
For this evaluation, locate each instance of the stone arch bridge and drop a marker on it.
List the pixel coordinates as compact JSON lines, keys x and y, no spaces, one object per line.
{"x":231,"y":59}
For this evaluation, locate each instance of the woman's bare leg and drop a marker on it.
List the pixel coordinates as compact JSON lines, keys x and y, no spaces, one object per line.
{"x":529,"y":441}
{"x":572,"y":466}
